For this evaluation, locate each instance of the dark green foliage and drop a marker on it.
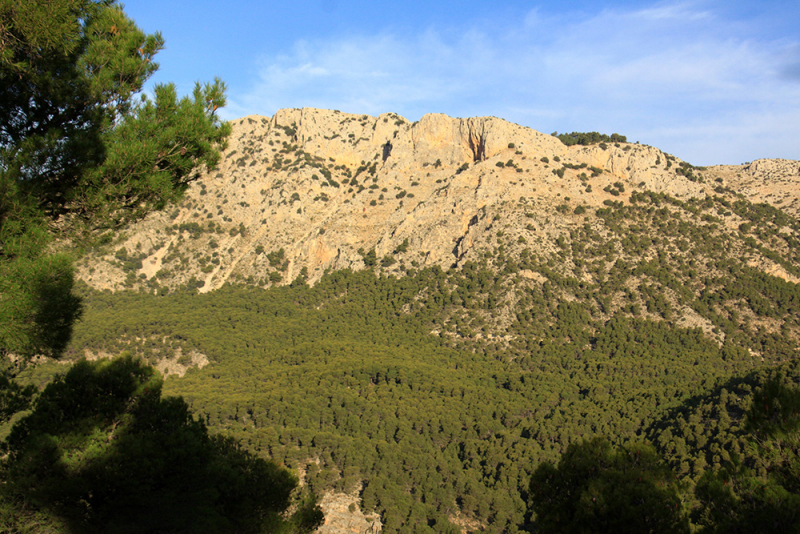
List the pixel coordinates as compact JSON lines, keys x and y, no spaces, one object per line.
{"x":37,"y":304}
{"x":441,"y":391}
{"x":589,"y":138}
{"x":276,"y":258}
{"x":597,"y":488}
{"x":742,"y":441}
{"x":687,"y":170}
{"x":73,"y":135}
{"x":14,"y":397}
{"x":735,"y":502}
{"x":370,"y":257}
{"x":357,"y":380}
{"x":80,"y":144}
{"x":402,"y":247}
{"x":75,"y":140}
{"x":437,"y":393}
{"x":102,"y":451}
{"x":759,"y":489}
{"x":153,"y":153}
{"x":574,"y":166}
{"x":130,"y":263}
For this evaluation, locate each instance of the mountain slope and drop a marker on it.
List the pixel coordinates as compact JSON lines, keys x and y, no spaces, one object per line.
{"x":323,"y":185}
{"x":419,"y":314}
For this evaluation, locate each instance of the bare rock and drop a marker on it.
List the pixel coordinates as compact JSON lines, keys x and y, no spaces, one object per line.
{"x":343,"y":516}
{"x":310,"y":190}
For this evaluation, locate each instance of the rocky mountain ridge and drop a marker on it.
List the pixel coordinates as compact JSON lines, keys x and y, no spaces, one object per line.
{"x":308,"y":191}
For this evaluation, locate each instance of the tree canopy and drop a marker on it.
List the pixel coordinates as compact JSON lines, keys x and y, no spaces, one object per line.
{"x":596,"y":488}
{"x":82,"y":148}
{"x":589,"y":138}
{"x":104,"y":452}
{"x":82,"y":151}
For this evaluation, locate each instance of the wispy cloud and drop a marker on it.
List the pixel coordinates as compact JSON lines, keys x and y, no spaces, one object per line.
{"x":369,"y":74}
{"x":671,"y":75}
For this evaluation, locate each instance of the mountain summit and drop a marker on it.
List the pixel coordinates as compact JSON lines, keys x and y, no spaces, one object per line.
{"x":308,"y":191}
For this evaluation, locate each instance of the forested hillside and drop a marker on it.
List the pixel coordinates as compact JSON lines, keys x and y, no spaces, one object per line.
{"x":435,"y":394}
{"x":460,"y":325}
{"x":83,"y":152}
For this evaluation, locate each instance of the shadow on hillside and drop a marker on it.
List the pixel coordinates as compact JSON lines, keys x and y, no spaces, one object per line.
{"x":103,"y":452}
{"x":718,"y":415}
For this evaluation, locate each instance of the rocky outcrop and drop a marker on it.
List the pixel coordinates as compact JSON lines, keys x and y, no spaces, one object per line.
{"x":343,"y":516}
{"x":774,"y":181}
{"x":310,"y":190}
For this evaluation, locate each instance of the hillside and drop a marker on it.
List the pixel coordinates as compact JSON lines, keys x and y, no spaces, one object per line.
{"x":322,"y":185}
{"x":417,"y":315}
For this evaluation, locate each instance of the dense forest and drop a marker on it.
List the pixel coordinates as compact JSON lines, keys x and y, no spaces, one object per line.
{"x":630,"y":368}
{"x":440,"y":395}
{"x":84,"y":151}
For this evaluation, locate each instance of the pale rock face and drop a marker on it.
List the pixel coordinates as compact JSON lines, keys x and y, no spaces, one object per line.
{"x":437,"y":192}
{"x":772,"y":168}
{"x":774,"y":181}
{"x":343,"y":516}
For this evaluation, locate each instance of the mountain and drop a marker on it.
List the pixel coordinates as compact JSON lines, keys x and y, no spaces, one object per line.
{"x":415,"y":316}
{"x":322,"y":185}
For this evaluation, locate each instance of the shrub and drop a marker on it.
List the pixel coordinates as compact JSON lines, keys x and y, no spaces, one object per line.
{"x":589,"y":138}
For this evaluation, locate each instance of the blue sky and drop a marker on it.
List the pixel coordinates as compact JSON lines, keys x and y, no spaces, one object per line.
{"x":708,"y":81}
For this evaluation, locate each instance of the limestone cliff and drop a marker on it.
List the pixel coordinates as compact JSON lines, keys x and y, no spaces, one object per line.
{"x":311,"y":190}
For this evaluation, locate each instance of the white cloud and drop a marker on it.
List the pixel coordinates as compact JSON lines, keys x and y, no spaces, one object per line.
{"x":680,"y":12}
{"x":669,"y":75}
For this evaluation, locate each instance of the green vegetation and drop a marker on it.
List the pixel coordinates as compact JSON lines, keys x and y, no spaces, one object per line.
{"x":83,"y":152}
{"x":759,"y":489}
{"x":596,"y":488}
{"x":539,"y":385}
{"x":439,"y":394}
{"x":78,"y":145}
{"x":102,"y":445}
{"x":384,"y":381}
{"x":589,"y":138}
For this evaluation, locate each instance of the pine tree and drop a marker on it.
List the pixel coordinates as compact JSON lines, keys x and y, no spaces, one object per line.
{"x":82,"y":150}
{"x":596,"y":488}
